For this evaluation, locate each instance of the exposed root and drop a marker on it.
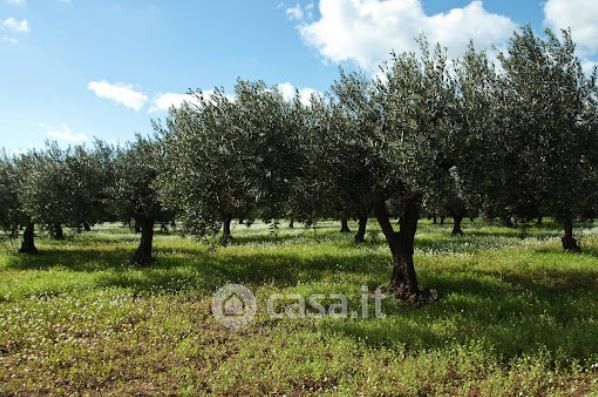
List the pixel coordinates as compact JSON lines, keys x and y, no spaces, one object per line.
{"x":419,"y":298}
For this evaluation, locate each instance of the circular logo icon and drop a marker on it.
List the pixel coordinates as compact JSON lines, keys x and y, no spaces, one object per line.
{"x":233,"y":306}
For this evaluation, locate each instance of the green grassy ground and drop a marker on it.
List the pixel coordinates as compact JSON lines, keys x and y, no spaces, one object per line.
{"x":516,"y":317}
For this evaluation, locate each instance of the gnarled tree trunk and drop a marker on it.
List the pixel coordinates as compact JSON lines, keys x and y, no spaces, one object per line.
{"x":226,"y":231}
{"x":457,"y":225}
{"x":143,"y":255}
{"x":86,"y":227}
{"x":28,"y":244}
{"x":345,"y":224}
{"x":507,"y":221}
{"x":56,"y":232}
{"x":163,"y":228}
{"x":403,"y":282}
{"x":291,"y":223}
{"x":362,"y":222}
{"x":569,"y":243}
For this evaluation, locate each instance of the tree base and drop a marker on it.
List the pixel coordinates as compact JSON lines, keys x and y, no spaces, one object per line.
{"x":56,"y":233}
{"x":418,"y":298}
{"x":226,"y":239}
{"x":28,"y":250}
{"x":457,"y":232}
{"x":141,"y":258}
{"x":570,"y":244}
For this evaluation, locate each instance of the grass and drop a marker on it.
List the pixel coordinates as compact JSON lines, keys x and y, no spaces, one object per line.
{"x":516,"y":317}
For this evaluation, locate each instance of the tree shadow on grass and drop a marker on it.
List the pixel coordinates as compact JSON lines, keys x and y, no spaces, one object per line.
{"x":79,"y":260}
{"x":511,"y":315}
{"x":207,"y":272}
{"x":591,"y":251}
{"x":200,"y":270}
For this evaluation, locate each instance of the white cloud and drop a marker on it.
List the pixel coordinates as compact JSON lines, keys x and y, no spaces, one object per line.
{"x":9,"y":39}
{"x":163,"y":102}
{"x":288,"y":92}
{"x":579,"y":15}
{"x":172,"y":99}
{"x":123,"y":94}
{"x":366,"y":31}
{"x":295,"y":13}
{"x":64,"y":133}
{"x":14,"y":25}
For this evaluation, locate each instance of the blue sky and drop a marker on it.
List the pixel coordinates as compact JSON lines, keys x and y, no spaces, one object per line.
{"x":70,"y":70}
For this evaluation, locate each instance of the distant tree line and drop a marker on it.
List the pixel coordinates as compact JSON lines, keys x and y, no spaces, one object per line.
{"x":515,"y":141}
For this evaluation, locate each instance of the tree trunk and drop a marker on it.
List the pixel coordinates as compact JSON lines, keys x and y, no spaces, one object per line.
{"x":56,"y":232}
{"x":457,"y":225}
{"x":163,"y":228}
{"x":434,"y":219}
{"x":360,"y":236}
{"x":226,"y":233}
{"x":507,"y":222}
{"x":143,"y":255}
{"x":28,"y":245}
{"x":86,"y":227}
{"x":569,"y":243}
{"x":442,"y":220}
{"x":523,"y":234}
{"x":137,"y":227}
{"x":403,"y":282}
{"x":291,"y":223}
{"x":539,"y":221}
{"x":345,"y":224}
{"x":14,"y":232}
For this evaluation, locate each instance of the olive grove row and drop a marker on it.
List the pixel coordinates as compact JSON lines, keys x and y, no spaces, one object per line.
{"x":514,"y":139}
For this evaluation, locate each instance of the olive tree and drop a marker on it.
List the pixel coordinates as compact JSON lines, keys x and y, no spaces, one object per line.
{"x":340,"y":157}
{"x":10,"y":207}
{"x":445,"y":196}
{"x":483,"y":167}
{"x":229,"y":158}
{"x":44,"y":191}
{"x":379,"y":145}
{"x":417,"y":104}
{"x":546,"y":103}
{"x":134,"y":194}
{"x":89,"y":174}
{"x":209,"y":171}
